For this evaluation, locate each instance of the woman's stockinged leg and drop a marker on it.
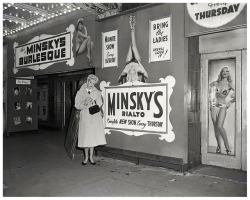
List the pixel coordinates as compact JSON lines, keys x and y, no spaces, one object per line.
{"x":135,"y":51}
{"x":91,"y":156}
{"x":218,"y":138}
{"x":134,"y":46}
{"x":91,"y":150}
{"x":89,"y":47}
{"x":220,"y":123}
{"x":83,"y":47}
{"x":86,"y":151}
{"x":129,"y":54}
{"x":216,"y":131}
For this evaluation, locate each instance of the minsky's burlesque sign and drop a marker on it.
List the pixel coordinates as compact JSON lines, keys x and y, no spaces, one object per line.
{"x":137,"y":108}
{"x":110,"y":49}
{"x":42,"y":51}
{"x":213,"y":15}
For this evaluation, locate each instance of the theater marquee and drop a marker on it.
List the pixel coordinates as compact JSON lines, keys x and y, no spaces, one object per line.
{"x":45,"y":50}
{"x":139,"y":108}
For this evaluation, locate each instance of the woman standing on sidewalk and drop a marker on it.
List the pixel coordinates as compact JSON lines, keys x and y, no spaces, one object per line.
{"x":91,"y":129}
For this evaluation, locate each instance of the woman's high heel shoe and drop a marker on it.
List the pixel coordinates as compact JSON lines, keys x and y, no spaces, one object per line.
{"x":90,"y":63}
{"x":132,"y":21}
{"x":218,"y":150}
{"x":228,"y":152}
{"x":83,"y":163}
{"x":92,"y":163}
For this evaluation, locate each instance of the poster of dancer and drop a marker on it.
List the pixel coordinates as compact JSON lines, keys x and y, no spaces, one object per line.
{"x":83,"y":41}
{"x":221,"y":77}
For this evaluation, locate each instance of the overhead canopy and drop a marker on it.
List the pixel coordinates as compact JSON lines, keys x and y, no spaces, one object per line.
{"x":19,"y":16}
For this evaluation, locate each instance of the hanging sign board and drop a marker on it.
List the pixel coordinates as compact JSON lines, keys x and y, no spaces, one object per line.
{"x":52,"y":49}
{"x":110,"y":49}
{"x":45,"y":50}
{"x":160,"y":40}
{"x":140,"y":108}
{"x":213,"y":15}
{"x":21,"y":81}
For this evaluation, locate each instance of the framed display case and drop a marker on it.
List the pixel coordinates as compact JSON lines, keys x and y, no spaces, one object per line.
{"x":21,"y":95}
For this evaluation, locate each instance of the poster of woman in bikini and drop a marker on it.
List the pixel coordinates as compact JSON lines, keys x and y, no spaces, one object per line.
{"x":221,"y":74}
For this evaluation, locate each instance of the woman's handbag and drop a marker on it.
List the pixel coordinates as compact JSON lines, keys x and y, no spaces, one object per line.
{"x":94,"y":109}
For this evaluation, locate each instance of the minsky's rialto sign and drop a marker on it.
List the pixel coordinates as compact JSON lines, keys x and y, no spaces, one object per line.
{"x":213,"y":15}
{"x":141,"y":108}
{"x":136,"y":108}
{"x":45,"y":50}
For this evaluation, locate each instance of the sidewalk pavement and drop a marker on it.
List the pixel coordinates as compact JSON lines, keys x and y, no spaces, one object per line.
{"x":37,"y":165}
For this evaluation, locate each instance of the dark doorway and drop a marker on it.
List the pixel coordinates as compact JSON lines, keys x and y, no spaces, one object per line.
{"x":69,"y":91}
{"x":61,"y":90}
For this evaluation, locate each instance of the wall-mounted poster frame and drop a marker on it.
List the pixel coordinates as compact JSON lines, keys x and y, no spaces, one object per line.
{"x":229,"y":117}
{"x":160,"y":39}
{"x":21,"y":115}
{"x":110,"y":49}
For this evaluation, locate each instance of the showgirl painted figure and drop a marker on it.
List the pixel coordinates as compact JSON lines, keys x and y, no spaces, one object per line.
{"x":219,"y":90}
{"x":83,"y":41}
{"x":133,"y":71}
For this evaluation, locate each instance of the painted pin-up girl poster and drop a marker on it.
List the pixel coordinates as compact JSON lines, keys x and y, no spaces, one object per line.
{"x":83,"y":41}
{"x":133,"y":71}
{"x":221,"y":106}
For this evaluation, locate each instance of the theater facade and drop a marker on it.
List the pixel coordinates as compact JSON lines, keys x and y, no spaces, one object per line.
{"x":164,"y":120}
